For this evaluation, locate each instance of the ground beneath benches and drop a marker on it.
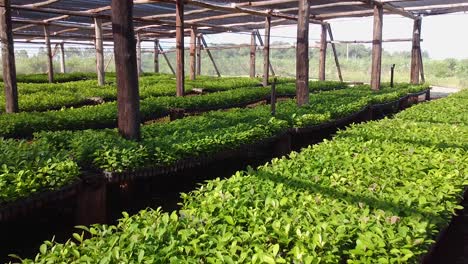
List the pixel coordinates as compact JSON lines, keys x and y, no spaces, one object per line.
{"x":440,"y":91}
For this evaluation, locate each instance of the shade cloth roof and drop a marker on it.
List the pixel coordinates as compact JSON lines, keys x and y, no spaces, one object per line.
{"x":74,"y":19}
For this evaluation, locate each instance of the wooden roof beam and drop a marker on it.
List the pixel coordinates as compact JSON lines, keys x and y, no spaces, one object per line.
{"x":235,"y":27}
{"x":436,"y":12}
{"x":203,"y":10}
{"x":390,"y":8}
{"x":353,"y":3}
{"x":23,"y":27}
{"x":255,"y":24}
{"x":265,"y":3}
{"x":360,"y":13}
{"x":147,"y":36}
{"x":56,"y":18}
{"x":172,"y":23}
{"x":48,"y":2}
{"x":57,"y":33}
{"x":45,"y":20}
{"x":232,"y":8}
{"x":31,"y":41}
{"x":139,"y":19}
{"x":396,"y":1}
{"x":172,"y":15}
{"x":368,"y":41}
{"x":57,"y":36}
{"x":431,"y":7}
{"x":57,"y":24}
{"x":140,"y":29}
{"x":233,"y":15}
{"x":58,"y":11}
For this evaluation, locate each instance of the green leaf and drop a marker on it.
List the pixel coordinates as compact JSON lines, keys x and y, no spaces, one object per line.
{"x":43,"y":249}
{"x":78,"y":237}
{"x":275,"y":249}
{"x":229,"y":219}
{"x":141,"y":254}
{"x":268,"y":259}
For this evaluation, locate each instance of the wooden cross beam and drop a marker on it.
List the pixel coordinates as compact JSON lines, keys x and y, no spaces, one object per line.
{"x":207,"y":49}
{"x":48,"y":2}
{"x":58,"y":11}
{"x":231,"y":8}
{"x":390,"y":8}
{"x":57,"y":24}
{"x":369,"y":41}
{"x":431,"y":7}
{"x":359,"y":13}
{"x":166,"y":59}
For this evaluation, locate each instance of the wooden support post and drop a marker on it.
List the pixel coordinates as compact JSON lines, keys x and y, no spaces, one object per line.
{"x":273,"y":97}
{"x":208,"y":52}
{"x":323,"y":53}
{"x":266,"y":52}
{"x":138,"y":54}
{"x":377,"y":48}
{"x":193,"y":58}
{"x":62,"y":58}
{"x":392,"y":72}
{"x":180,"y":61}
{"x":8,"y":58}
{"x":92,"y":201}
{"x":156,"y":56}
{"x":167,"y":60}
{"x":128,"y":97}
{"x":421,"y":66}
{"x":415,"y":51}
{"x":302,"y":54}
{"x":282,"y":146}
{"x":260,"y":41}
{"x":335,"y":53}
{"x":428,"y":95}
{"x":253,"y":51}
{"x":347,"y":52}
{"x":99,"y":52}
{"x":50,"y":65}
{"x":199,"y":47}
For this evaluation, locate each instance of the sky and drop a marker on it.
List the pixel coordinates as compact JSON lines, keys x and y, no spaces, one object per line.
{"x":439,"y":33}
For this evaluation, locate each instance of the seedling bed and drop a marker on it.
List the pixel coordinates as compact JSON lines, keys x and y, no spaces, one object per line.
{"x":450,"y":245}
{"x":26,"y":206}
{"x":129,"y":190}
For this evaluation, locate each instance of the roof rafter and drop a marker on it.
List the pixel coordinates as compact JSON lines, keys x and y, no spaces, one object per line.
{"x":430,"y":7}
{"x":210,"y":16}
{"x":390,"y":8}
{"x":57,"y":24}
{"x":58,"y":11}
{"x":231,"y":8}
{"x":48,"y":2}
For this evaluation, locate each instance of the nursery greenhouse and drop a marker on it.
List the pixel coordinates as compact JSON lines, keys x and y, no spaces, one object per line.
{"x":130,"y":165}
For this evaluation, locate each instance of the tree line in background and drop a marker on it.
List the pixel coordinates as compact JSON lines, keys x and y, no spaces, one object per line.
{"x":355,"y":60}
